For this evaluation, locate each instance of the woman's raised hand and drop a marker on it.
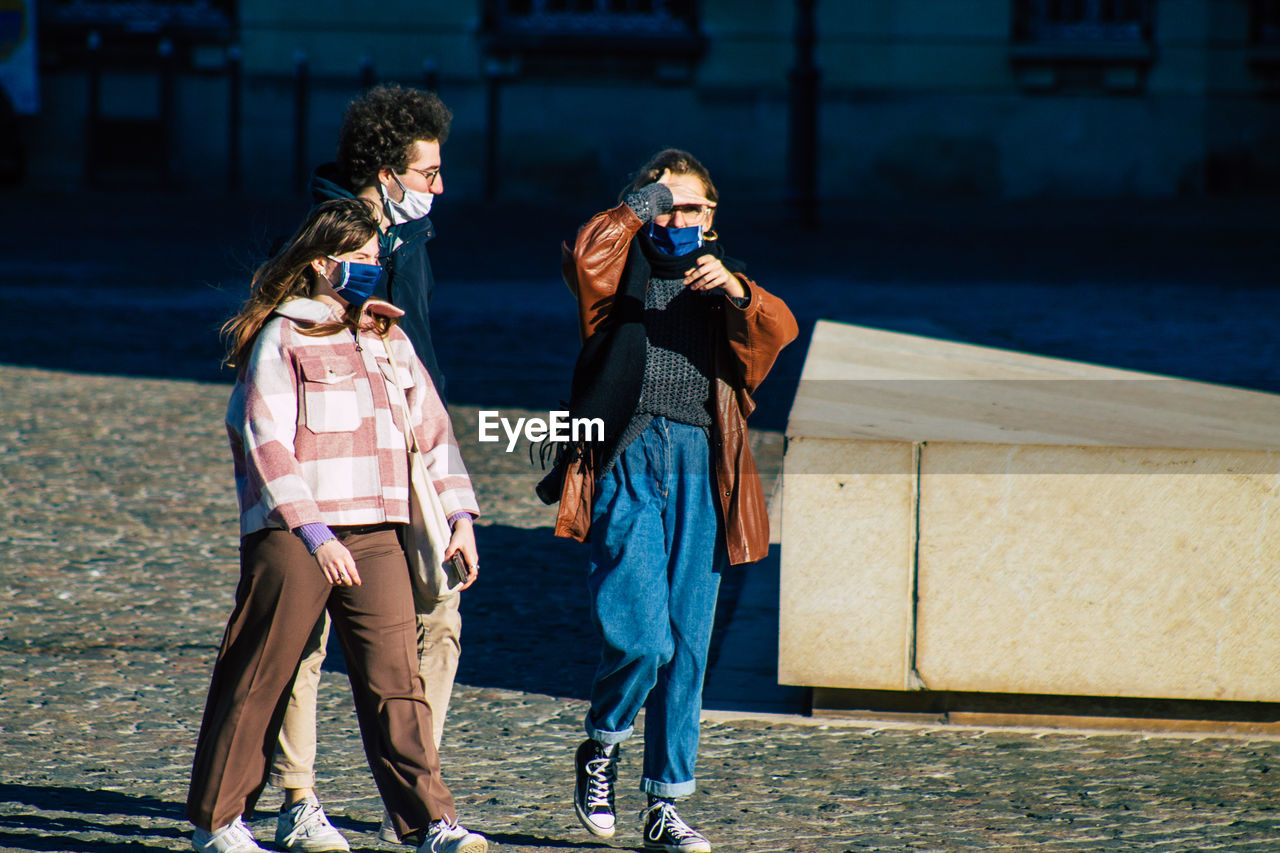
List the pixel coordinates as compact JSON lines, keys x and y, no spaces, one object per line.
{"x":684,"y":190}
{"x":338,"y":565}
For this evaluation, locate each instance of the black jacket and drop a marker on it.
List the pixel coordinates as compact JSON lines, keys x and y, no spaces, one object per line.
{"x":409,"y":283}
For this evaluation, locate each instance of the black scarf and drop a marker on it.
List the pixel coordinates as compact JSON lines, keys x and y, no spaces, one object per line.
{"x":609,"y":373}
{"x":666,"y":267}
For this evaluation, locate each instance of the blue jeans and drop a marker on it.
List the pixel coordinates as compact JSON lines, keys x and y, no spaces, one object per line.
{"x":656,"y":553}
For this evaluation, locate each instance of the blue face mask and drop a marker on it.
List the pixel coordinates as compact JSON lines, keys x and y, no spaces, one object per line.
{"x":358,"y":281}
{"x":676,"y":241}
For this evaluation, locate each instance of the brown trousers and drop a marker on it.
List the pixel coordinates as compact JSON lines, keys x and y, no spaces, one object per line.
{"x":281,"y":594}
{"x":439,"y":647}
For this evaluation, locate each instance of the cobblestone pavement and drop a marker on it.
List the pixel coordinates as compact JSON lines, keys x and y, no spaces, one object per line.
{"x":117,"y":566}
{"x":118,"y":536}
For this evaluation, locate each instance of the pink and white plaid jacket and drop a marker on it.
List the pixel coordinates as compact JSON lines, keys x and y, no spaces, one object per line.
{"x":315,"y":427}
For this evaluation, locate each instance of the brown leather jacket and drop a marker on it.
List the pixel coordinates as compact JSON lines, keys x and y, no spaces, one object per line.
{"x":749,"y":342}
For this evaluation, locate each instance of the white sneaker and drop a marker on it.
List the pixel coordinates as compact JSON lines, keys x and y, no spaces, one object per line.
{"x":387,"y":832}
{"x":304,"y":826}
{"x":235,"y":837}
{"x":445,"y":837}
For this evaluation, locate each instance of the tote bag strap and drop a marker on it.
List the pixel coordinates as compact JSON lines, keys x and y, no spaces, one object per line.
{"x":427,"y":536}
{"x":410,"y":440}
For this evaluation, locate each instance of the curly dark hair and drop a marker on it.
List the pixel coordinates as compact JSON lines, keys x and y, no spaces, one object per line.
{"x":381,"y":126}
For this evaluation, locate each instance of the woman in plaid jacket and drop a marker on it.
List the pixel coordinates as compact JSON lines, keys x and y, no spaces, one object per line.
{"x":323,"y":484}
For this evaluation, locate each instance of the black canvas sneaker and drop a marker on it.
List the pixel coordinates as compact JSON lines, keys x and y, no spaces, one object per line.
{"x":597,"y":770}
{"x":665,"y":830}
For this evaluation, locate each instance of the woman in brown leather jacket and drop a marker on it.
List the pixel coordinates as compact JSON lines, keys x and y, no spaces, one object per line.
{"x":675,"y":339}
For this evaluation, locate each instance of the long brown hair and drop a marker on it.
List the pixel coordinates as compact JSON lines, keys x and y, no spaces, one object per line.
{"x":332,"y":228}
{"x":679,"y":163}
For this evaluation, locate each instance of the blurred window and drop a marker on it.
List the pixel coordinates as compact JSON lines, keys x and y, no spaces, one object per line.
{"x":140,"y":16}
{"x":131,"y":32}
{"x":662,"y":18}
{"x":1266,"y":22}
{"x":1083,"y":21}
{"x":600,"y":38}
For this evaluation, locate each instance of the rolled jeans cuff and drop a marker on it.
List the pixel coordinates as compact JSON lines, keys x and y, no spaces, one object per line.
{"x":667,"y":789}
{"x":607,"y":737}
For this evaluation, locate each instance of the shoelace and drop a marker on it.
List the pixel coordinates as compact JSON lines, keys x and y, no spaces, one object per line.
{"x":442,"y":832}
{"x":670,"y":822}
{"x":309,"y":821}
{"x":599,"y":781}
{"x":444,"y":827}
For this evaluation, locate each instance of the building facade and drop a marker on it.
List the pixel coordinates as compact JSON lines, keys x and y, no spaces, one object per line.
{"x":803,"y":99}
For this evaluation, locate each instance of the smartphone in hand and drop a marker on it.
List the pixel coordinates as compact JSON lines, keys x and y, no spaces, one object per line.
{"x":455,"y":569}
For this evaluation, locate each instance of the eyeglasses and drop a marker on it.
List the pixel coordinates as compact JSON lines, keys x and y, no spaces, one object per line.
{"x":692,"y":211}
{"x":428,"y":175}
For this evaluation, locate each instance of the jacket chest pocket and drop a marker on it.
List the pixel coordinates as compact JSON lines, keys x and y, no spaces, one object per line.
{"x":329,"y":402}
{"x":405,"y":377}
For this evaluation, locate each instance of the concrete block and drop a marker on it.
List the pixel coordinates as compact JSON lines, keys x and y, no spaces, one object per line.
{"x":1094,"y":571}
{"x":847,"y":535}
{"x":967,"y":519}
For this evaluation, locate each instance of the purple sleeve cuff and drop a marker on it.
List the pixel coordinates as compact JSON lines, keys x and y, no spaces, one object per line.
{"x":314,"y":535}
{"x":453,"y":519}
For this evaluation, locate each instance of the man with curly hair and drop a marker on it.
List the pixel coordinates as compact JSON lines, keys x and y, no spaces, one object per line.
{"x":389,"y":155}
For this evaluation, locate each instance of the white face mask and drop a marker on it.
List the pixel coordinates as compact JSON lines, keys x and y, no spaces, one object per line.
{"x":414,"y":205}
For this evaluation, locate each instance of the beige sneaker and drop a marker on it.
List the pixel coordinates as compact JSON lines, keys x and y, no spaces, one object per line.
{"x":387,"y":832}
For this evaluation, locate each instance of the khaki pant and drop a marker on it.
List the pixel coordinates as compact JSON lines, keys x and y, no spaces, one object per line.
{"x":439,"y":646}
{"x":279,"y":599}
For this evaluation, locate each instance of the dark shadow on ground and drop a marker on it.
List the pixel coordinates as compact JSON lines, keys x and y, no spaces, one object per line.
{"x":56,"y":833}
{"x":48,"y":840}
{"x":72,"y":809}
{"x":742,"y":667}
{"x":88,"y":801}
{"x":516,"y":839}
{"x":520,"y":840}
{"x":527,"y":623}
{"x":527,"y":626}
